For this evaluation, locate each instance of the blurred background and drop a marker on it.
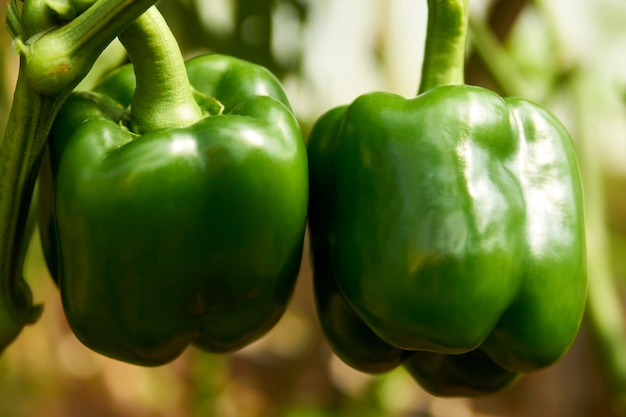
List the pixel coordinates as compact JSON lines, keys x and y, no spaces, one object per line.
{"x":570,"y":56}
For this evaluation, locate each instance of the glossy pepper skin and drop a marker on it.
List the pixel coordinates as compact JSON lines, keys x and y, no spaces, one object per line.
{"x":178,"y":236}
{"x":447,"y":235}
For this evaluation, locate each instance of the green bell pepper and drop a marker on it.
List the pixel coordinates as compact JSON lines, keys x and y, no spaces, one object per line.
{"x":447,"y":232}
{"x":166,"y":236}
{"x":55,"y":55}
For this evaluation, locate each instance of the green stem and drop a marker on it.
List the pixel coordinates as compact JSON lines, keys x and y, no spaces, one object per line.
{"x":163,"y":96}
{"x":444,"y":51}
{"x":58,"y":59}
{"x":36,"y":17}
{"x":13,"y":22}
{"x":30,"y":120}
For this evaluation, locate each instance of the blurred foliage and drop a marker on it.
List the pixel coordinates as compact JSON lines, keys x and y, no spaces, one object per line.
{"x":328,"y":52}
{"x":246,"y":29}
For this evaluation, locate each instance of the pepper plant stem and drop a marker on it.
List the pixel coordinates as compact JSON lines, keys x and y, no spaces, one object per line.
{"x":20,"y":153}
{"x":163,"y":97}
{"x":57,"y":60}
{"x":444,"y":51}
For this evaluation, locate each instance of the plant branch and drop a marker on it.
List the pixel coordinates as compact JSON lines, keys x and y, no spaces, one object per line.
{"x":58,"y":59}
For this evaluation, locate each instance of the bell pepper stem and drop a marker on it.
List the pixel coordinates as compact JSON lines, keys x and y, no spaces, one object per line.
{"x":163,"y":97}
{"x":444,"y":50}
{"x":53,"y":61}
